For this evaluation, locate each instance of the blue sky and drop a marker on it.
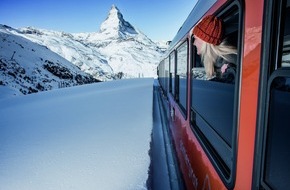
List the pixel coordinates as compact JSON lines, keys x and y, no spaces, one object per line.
{"x":158,"y":19}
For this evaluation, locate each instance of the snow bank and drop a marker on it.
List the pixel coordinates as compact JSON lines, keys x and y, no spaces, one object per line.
{"x":87,"y":137}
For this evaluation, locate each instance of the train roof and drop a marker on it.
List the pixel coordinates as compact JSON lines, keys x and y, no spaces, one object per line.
{"x":200,"y":8}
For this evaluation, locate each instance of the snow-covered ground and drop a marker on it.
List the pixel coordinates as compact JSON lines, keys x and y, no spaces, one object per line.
{"x":95,"y":136}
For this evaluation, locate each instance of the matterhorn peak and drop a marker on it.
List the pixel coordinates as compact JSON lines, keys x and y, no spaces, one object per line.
{"x":116,"y":26}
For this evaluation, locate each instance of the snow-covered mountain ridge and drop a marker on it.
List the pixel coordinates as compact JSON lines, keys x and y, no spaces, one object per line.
{"x":118,"y":50}
{"x":27,"y":67}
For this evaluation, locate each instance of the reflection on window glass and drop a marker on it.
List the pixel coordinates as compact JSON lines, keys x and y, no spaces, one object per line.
{"x":166,"y":65}
{"x":286,"y":52}
{"x":181,"y":74}
{"x":182,"y":60}
{"x":198,"y":70}
{"x":286,"y":41}
{"x":166,"y":62}
{"x":172,"y":73}
{"x":172,"y":62}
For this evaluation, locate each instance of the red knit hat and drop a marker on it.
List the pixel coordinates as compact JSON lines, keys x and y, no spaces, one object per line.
{"x":209,"y":29}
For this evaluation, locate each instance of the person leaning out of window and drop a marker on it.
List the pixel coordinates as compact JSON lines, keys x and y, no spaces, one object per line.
{"x":218,"y":57}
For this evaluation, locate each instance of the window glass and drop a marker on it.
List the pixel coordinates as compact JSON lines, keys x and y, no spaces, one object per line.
{"x":166,"y":65}
{"x":161,"y":73}
{"x":182,"y":74}
{"x":286,"y":40}
{"x":286,"y":52}
{"x":277,"y":167}
{"x":182,"y":60}
{"x":172,"y":73}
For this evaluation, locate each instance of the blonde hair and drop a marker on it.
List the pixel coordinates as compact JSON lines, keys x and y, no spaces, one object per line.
{"x":210,"y":53}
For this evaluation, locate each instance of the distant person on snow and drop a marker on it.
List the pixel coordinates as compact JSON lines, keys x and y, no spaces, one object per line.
{"x":218,"y":57}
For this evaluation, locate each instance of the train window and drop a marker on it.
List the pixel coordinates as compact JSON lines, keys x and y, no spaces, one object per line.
{"x":172,"y":73}
{"x":275,"y":169}
{"x":181,"y":74}
{"x":166,"y":74}
{"x":213,"y":105}
{"x":161,"y":70}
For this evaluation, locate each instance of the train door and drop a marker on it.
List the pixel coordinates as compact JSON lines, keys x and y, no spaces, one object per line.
{"x":272,"y":168}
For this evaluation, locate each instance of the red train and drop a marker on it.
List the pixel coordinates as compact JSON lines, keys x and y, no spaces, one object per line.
{"x":232,"y":136}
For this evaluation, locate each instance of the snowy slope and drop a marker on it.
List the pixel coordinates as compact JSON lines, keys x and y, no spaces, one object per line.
{"x":94,"y":136}
{"x":86,"y":57}
{"x":27,"y":67}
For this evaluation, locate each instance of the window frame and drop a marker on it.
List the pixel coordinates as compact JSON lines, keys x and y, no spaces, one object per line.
{"x":227,"y":178}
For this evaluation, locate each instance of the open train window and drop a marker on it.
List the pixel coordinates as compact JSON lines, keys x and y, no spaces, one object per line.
{"x":273,"y":167}
{"x":214,"y":103}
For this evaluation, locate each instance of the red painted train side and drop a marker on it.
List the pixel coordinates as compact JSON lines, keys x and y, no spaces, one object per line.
{"x":231,"y":136}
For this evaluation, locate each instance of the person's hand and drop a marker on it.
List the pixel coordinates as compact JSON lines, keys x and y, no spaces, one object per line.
{"x":224,"y":68}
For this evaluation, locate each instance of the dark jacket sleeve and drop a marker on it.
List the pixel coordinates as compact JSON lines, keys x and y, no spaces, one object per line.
{"x":230,"y":73}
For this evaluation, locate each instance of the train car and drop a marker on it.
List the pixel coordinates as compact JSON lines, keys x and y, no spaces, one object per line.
{"x":232,"y":136}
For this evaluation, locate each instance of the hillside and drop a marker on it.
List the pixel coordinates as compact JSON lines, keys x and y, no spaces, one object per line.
{"x":27,"y":67}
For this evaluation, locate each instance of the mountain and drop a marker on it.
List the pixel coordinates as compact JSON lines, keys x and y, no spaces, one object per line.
{"x":116,"y":27}
{"x":81,"y":54}
{"x":33,"y":60}
{"x":117,"y":50}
